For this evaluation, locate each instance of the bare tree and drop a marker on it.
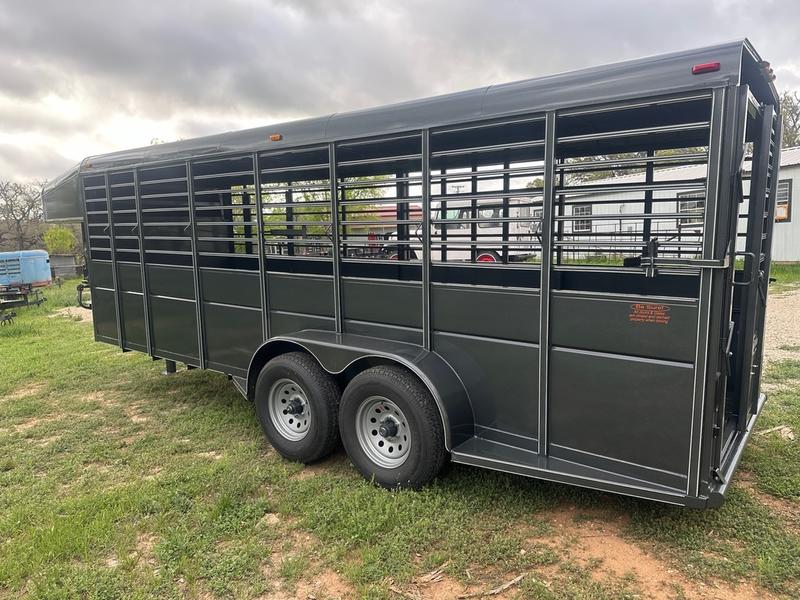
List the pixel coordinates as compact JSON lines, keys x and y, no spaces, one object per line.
{"x":790,"y":108}
{"x":21,"y":218}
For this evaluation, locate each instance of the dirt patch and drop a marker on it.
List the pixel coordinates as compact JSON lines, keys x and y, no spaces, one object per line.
{"x":328,"y":584}
{"x":213,"y":454}
{"x":133,"y":412}
{"x":145,"y":542}
{"x":309,"y":471}
{"x":769,"y":387}
{"x":596,"y":541}
{"x":269,"y":520}
{"x":153,"y":473}
{"x":74,"y":313}
{"x":33,"y":422}
{"x":782,"y":329}
{"x":319,"y":584}
{"x":25,"y":391}
{"x":46,"y":441}
{"x":435,"y":585}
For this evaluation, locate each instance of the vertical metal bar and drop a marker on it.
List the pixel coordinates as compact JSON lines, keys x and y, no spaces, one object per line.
{"x":715,"y":156}
{"x":148,"y":326}
{"x":473,"y":226}
{"x":289,"y":218}
{"x":561,"y":207}
{"x":337,"y":283}
{"x":544,"y":286}
{"x":114,"y":274}
{"x":262,"y":256}
{"x":647,"y":225}
{"x":426,"y":240}
{"x":402,"y":213}
{"x":343,"y":218}
{"x":198,"y":300}
{"x":443,"y":215}
{"x":506,"y":212}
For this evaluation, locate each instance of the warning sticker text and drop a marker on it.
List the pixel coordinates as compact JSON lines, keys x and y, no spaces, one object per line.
{"x":649,"y":313}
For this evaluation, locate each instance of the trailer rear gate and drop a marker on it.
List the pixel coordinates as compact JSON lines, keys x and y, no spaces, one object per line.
{"x":649,"y":384}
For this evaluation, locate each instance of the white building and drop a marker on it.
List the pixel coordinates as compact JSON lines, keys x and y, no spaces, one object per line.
{"x":677,"y":200}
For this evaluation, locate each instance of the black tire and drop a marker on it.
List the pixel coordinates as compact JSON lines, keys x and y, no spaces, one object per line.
{"x":322,"y":396}
{"x":426,"y":454}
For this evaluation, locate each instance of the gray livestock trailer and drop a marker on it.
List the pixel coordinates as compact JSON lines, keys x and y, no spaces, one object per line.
{"x":430,"y":280}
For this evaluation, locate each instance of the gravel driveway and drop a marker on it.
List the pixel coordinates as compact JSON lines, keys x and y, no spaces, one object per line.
{"x":782,"y":339}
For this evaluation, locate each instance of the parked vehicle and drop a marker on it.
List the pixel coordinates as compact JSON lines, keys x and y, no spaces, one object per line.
{"x":24,"y":269}
{"x":22,"y":273}
{"x":630,"y":364}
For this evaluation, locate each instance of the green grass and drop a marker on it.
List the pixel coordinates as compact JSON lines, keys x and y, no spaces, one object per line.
{"x":786,"y":275}
{"x":116,"y":481}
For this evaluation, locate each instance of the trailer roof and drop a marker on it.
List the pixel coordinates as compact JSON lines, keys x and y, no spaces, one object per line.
{"x":651,"y":76}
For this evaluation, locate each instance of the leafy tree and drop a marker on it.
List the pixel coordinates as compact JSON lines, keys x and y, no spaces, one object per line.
{"x":790,"y":109}
{"x":318,"y":214}
{"x":60,"y":240}
{"x":21,"y":216}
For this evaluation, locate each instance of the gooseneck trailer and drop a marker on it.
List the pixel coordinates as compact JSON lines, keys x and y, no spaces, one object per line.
{"x":564,"y":277}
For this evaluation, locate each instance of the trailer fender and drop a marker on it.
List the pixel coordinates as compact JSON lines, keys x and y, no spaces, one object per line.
{"x":346,"y":355}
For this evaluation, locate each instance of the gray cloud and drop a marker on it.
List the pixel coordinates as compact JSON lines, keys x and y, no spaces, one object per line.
{"x":35,"y":162}
{"x":204,"y":66}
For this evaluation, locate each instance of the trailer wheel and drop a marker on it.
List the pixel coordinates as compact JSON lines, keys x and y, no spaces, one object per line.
{"x":391,"y":428}
{"x":297,"y":403}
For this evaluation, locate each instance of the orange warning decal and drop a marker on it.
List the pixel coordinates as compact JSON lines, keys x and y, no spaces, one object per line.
{"x":649,"y":313}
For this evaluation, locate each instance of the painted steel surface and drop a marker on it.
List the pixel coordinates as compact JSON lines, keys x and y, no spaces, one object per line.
{"x":571,"y":355}
{"x":24,"y":268}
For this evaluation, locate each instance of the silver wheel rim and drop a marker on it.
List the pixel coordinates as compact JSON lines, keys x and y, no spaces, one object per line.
{"x":289,"y":410}
{"x":383,"y":432}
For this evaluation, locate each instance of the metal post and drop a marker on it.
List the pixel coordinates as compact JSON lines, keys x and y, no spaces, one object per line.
{"x":198,"y":300}
{"x":148,"y":326}
{"x":337,"y":291}
{"x":170,"y":368}
{"x":426,"y":241}
{"x":548,"y":200}
{"x":114,"y":274}
{"x":262,"y":256}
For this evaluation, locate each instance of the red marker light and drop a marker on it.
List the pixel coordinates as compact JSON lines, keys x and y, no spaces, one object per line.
{"x":275,"y":137}
{"x":708,"y":67}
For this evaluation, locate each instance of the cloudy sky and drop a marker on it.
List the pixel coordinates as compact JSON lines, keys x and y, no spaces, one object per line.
{"x":84,"y":77}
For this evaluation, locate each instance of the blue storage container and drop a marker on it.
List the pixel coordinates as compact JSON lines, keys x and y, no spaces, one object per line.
{"x":25,"y":268}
